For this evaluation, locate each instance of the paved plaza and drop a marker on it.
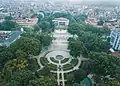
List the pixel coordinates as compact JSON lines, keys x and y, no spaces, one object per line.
{"x":59,"y":52}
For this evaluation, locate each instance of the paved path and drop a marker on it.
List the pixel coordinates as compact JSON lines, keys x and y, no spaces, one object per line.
{"x":59,"y":44}
{"x":62,"y":73}
{"x":58,"y":73}
{"x":67,"y":62}
{"x":71,"y":70}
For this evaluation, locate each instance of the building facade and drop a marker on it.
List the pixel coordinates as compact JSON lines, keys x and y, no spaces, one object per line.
{"x":115,"y":38}
{"x":61,"y":23}
{"x":8,"y":37}
{"x":27,"y":22}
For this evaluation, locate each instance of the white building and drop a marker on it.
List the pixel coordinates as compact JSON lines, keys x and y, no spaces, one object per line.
{"x":61,"y":23}
{"x":115,"y":38}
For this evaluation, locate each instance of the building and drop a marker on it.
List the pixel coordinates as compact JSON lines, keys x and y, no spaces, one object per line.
{"x":27,"y":22}
{"x":3,"y":15}
{"x":115,"y":38}
{"x":92,"y":21}
{"x":61,"y":23}
{"x":2,"y":20}
{"x":8,"y":37}
{"x":111,"y":24}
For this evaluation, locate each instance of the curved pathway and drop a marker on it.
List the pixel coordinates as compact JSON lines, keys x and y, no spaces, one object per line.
{"x":71,"y":70}
{"x":59,"y":44}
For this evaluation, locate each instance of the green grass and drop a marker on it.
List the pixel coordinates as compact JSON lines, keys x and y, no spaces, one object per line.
{"x":52,"y":66}
{"x":74,"y":62}
{"x":54,"y":60}
{"x":44,"y":61}
{"x":67,"y":67}
{"x":64,"y":60}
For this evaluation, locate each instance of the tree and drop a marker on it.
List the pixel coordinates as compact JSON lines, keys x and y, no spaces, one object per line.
{"x":8,"y":18}
{"x":74,"y":28}
{"x":44,"y":25}
{"x":12,"y":66}
{"x":36,"y":28}
{"x":34,"y":15}
{"x":79,"y":75}
{"x":20,"y":54}
{"x":58,"y":15}
{"x":43,"y":81}
{"x":93,"y":42}
{"x":1,"y":26}
{"x":87,"y":66}
{"x":5,"y":55}
{"x":44,"y":72}
{"x":33,"y":65}
{"x":40,"y":18}
{"x":76,"y":48}
{"x":20,"y":78}
{"x":8,"y":25}
{"x":104,"y":64}
{"x":29,"y":46}
{"x":45,"y":40}
{"x":70,"y":80}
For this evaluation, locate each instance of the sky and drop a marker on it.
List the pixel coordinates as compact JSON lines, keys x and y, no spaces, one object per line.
{"x":89,"y":1}
{"x":95,"y":1}
{"x":82,"y":1}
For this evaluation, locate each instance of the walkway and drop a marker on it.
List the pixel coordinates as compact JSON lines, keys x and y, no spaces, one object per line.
{"x":71,"y":70}
{"x":60,"y":44}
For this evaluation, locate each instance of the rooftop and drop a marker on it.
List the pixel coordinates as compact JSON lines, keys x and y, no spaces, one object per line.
{"x":27,"y":20}
{"x":11,"y":38}
{"x":61,"y":19}
{"x":116,"y":30}
{"x":117,"y":54}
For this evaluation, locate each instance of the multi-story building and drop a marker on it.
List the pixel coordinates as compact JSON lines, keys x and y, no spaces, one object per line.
{"x":61,"y":23}
{"x":115,"y":38}
{"x":8,"y":37}
{"x":27,"y":22}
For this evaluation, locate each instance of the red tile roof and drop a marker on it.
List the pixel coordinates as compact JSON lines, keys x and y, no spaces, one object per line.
{"x":116,"y":54}
{"x":27,"y":20}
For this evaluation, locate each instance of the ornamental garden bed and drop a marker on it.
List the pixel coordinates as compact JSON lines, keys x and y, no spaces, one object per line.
{"x":64,"y":60}
{"x":44,"y":61}
{"x":67,"y":67}
{"x":74,"y":62}
{"x":54,"y":60}
{"x":52,"y":66}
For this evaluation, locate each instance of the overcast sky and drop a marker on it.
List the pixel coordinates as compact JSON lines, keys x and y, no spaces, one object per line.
{"x":93,"y":1}
{"x":107,"y":2}
{"x":89,"y":1}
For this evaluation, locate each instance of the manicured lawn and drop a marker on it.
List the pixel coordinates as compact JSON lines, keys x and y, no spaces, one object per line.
{"x":44,"y":61}
{"x":74,"y":62}
{"x":54,"y":60}
{"x":67,"y":66}
{"x":52,"y":66}
{"x":64,"y":60}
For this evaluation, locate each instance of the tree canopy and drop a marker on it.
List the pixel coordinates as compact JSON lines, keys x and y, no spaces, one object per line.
{"x":29,"y":46}
{"x":7,"y":25}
